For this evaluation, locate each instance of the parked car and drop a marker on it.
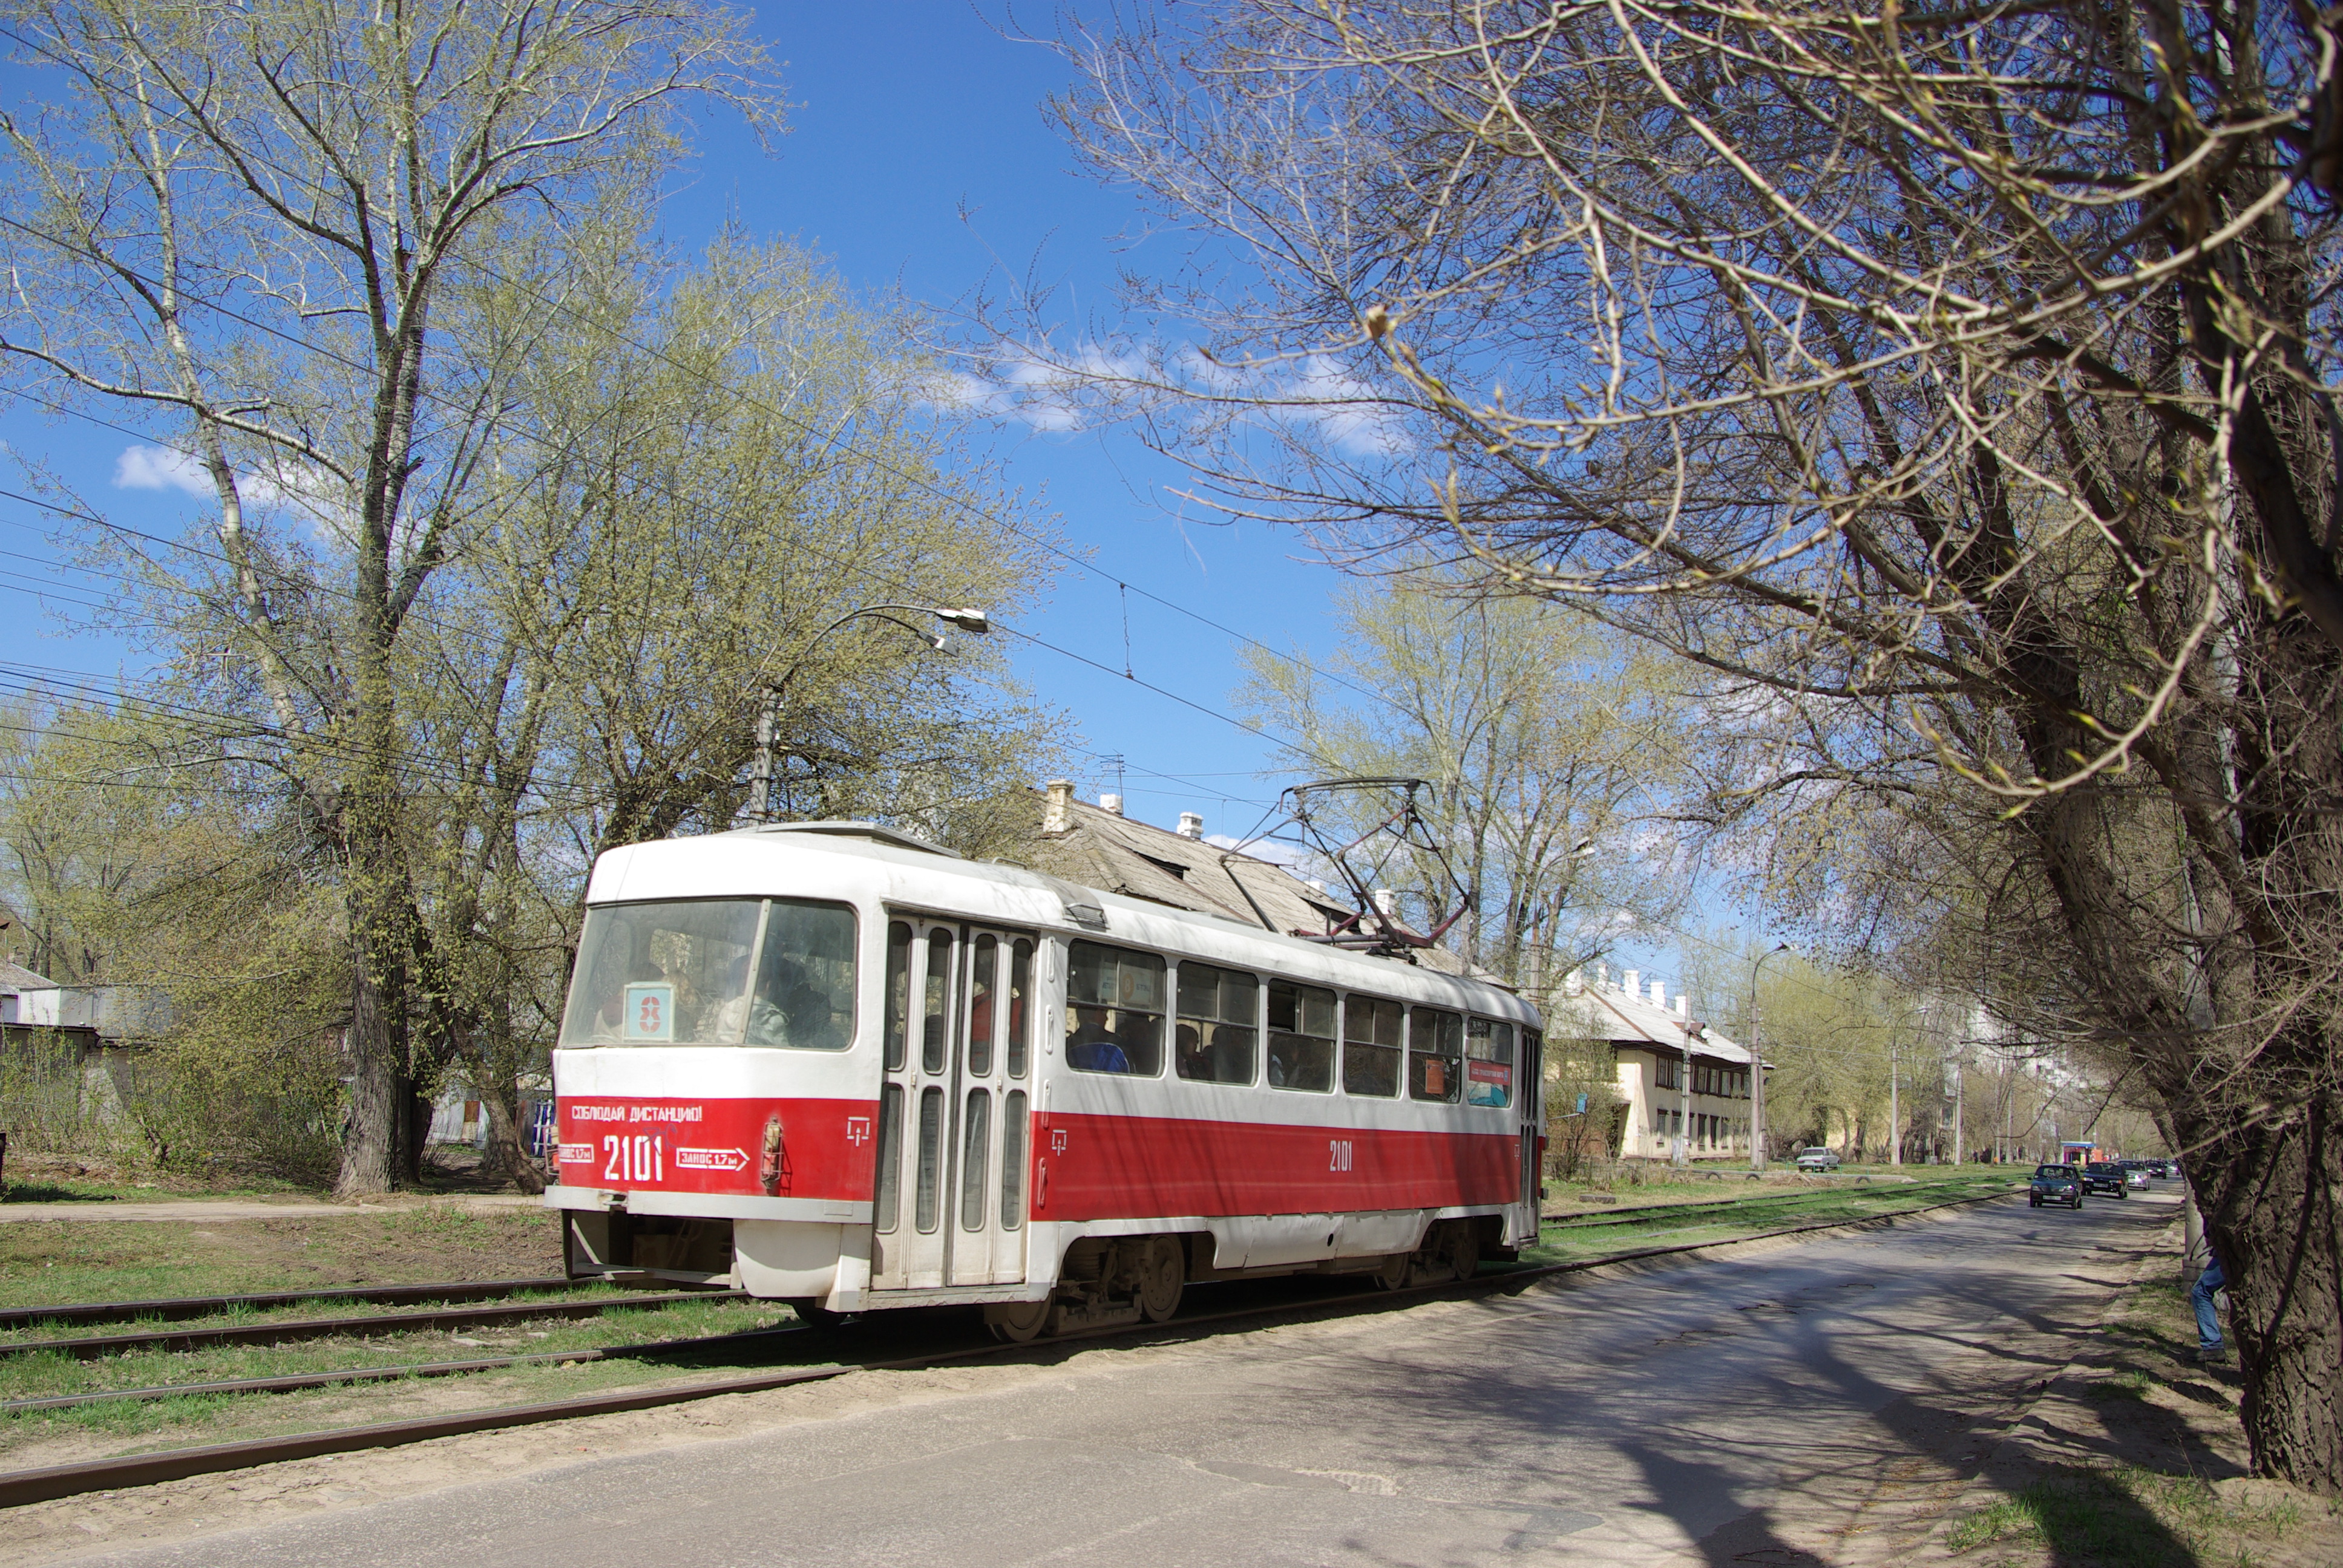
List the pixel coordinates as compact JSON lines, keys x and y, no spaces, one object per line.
{"x":2137,"y":1173}
{"x":2055,"y":1184}
{"x":1818,"y":1160}
{"x":2107,"y":1176}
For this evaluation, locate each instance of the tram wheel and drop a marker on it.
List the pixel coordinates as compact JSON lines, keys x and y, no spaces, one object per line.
{"x":1464,"y":1249}
{"x":814,"y":1315}
{"x":1018,"y":1323}
{"x":1161,"y":1280}
{"x":1394,"y":1274}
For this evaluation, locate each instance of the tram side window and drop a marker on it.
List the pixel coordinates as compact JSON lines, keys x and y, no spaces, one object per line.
{"x":1371,"y":1048}
{"x":1488,"y":1062}
{"x":1020,"y":991}
{"x":1220,"y":1023}
{"x":1114,"y":1009}
{"x":985,"y":963}
{"x":1301,"y":1037}
{"x":898,"y":992}
{"x":1435,"y":1052}
{"x":714,"y":971}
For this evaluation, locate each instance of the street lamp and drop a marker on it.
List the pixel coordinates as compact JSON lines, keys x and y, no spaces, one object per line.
{"x":967,"y":618}
{"x":1757,"y":1067}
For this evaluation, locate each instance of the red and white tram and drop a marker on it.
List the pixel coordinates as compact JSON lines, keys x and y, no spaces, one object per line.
{"x":838,"y":1065}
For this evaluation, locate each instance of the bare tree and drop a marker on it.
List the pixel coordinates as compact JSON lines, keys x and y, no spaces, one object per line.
{"x":1955,"y":383}
{"x":243,"y":225}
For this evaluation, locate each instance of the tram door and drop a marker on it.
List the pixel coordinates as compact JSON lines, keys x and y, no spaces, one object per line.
{"x":1532,"y":1103}
{"x":988,"y":1206}
{"x":950,"y":1205}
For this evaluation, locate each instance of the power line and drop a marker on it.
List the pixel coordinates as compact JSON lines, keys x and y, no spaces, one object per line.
{"x":833,"y":441}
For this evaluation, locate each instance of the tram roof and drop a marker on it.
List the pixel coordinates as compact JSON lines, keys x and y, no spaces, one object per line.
{"x":874,"y":863}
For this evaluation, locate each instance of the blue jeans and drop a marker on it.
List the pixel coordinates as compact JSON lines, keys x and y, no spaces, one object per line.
{"x":2208,"y":1316}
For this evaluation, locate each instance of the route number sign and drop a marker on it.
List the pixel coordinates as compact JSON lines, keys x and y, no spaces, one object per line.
{"x":650,"y":1010}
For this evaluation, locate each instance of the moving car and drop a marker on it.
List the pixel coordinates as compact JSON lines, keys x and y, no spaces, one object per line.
{"x":2107,"y":1176}
{"x":2055,"y":1184}
{"x":1818,"y":1160}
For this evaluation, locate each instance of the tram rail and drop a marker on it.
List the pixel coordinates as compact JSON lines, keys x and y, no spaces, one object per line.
{"x":176,"y":1307}
{"x":295,"y":1382}
{"x":26,"y":1486}
{"x":88,"y":1347}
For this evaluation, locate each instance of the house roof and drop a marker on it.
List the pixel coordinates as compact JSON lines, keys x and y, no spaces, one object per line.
{"x":18,"y":978}
{"x":1605,"y":1012}
{"x":1105,"y":849}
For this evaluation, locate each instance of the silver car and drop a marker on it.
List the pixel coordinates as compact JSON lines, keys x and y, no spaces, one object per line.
{"x":1818,"y":1160}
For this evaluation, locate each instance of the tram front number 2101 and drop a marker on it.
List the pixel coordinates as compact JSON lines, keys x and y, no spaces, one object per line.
{"x":636,"y":1159}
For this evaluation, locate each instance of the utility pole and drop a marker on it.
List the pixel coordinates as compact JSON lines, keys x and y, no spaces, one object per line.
{"x":1683,"y":1101}
{"x":1960,"y":1102}
{"x":1895,"y":1126}
{"x":1757,"y":1067}
{"x":762,"y":768}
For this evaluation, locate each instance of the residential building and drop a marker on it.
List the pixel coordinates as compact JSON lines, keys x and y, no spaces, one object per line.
{"x":1655,"y":1044}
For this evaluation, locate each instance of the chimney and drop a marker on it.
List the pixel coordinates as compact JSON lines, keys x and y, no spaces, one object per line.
{"x":1602,"y":976}
{"x":1057,"y":805}
{"x":1386,"y":901}
{"x":1682,"y":1003}
{"x":1192,"y":825}
{"x":1660,"y":995}
{"x":1111,"y":804}
{"x":1573,"y":983}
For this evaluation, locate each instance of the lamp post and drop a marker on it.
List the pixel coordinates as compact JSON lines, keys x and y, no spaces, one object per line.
{"x":967,"y":619}
{"x":1757,"y":1066}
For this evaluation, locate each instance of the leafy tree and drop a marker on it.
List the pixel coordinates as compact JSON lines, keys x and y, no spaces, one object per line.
{"x":244,"y":224}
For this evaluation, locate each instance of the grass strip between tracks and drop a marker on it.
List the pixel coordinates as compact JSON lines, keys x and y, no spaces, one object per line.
{"x":167,"y":1308}
{"x":27,"y":1486}
{"x":378,"y":1323}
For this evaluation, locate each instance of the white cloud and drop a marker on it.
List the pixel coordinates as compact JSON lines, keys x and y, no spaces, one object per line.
{"x":310,"y":493}
{"x":160,"y":469}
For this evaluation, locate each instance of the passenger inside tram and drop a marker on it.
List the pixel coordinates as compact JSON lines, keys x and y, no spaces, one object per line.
{"x":1094,"y":1047}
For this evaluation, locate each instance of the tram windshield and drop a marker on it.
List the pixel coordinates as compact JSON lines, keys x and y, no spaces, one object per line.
{"x":714,"y":971}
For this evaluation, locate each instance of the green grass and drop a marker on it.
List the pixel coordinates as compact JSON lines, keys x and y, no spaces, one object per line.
{"x":46,"y":1261}
{"x":43,"y":1374}
{"x":2125,"y":1517}
{"x":1564,"y":1241}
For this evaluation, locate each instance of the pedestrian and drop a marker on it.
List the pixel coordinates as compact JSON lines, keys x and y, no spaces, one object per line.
{"x":2210,"y":1281}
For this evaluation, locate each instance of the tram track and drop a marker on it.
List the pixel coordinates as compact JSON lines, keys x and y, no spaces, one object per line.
{"x":176,"y":1307}
{"x":21,"y":1487}
{"x":371,"y":1326}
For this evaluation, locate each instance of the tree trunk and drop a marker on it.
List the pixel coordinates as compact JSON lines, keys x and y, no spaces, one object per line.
{"x":509,"y":1154}
{"x":371,"y":1152}
{"x":2275,"y":1227}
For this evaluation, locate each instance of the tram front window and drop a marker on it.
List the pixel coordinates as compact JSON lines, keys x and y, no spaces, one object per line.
{"x":714,"y":971}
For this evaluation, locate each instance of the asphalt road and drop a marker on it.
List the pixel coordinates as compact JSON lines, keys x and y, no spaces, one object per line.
{"x":1816,"y":1403}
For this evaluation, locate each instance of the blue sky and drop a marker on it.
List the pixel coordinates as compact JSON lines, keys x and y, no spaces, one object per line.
{"x":919,"y":159}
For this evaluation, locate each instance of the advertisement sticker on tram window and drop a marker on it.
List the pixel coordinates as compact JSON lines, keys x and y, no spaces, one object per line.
{"x":650,"y":1010}
{"x":1488,"y":1082}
